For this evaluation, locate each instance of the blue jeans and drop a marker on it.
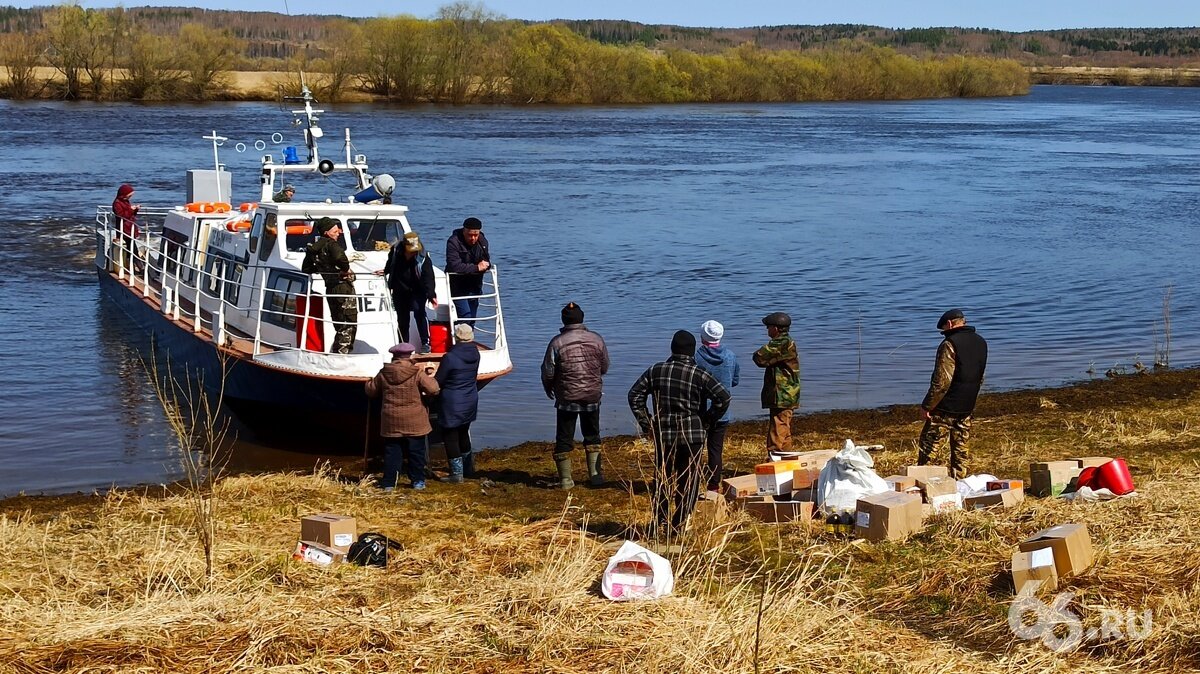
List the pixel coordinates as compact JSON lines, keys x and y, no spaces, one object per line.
{"x":466,"y":308}
{"x":403,"y":454}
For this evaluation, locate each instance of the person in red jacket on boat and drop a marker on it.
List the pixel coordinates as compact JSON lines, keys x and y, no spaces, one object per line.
{"x":126,"y":213}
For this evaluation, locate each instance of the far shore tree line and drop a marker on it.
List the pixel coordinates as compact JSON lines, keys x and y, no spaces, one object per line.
{"x":468,"y":55}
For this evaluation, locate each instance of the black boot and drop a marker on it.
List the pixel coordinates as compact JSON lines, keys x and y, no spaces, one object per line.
{"x":469,"y":465}
{"x":595,"y":476}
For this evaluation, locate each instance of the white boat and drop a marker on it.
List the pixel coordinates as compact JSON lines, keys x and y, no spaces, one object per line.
{"x":220,"y":287}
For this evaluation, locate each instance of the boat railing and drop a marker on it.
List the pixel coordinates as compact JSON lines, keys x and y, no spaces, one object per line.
{"x":205,"y":294}
{"x":489,"y":317}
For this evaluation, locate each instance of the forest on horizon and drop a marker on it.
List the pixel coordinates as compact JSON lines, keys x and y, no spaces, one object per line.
{"x":268,"y":39}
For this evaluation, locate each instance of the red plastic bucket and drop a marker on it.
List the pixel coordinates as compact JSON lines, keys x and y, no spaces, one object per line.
{"x":1115,"y":477}
{"x":1087,"y":478}
{"x":439,"y":337}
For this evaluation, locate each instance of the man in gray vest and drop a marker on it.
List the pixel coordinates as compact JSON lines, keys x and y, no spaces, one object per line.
{"x":953,"y":389}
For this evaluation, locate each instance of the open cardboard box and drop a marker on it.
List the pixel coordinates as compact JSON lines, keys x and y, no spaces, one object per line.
{"x":1070,"y":544}
{"x":1035,"y":566}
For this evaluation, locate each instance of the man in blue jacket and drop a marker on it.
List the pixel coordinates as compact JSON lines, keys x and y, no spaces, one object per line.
{"x":720,"y":362}
{"x":467,"y":258}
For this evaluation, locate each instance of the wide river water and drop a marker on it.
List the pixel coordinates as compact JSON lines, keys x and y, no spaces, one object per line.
{"x":1057,"y":221}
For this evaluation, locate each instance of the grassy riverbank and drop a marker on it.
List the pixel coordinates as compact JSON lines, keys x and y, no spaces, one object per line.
{"x":1124,"y":77}
{"x":502,"y":576}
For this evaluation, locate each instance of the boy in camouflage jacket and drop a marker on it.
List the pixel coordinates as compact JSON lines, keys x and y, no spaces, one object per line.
{"x":781,"y":381}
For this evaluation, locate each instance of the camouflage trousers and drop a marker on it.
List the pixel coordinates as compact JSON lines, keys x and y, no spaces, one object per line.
{"x":343,"y":311}
{"x":936,"y":427}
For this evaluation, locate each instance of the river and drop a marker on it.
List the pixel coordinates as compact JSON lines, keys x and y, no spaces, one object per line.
{"x":1057,"y":221}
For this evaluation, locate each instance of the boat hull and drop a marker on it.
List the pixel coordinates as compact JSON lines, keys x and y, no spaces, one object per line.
{"x":334,"y":414}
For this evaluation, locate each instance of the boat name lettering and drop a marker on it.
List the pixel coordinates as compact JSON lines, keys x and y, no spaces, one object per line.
{"x":367,"y":303}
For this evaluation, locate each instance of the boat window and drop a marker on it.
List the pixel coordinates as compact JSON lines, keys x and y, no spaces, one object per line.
{"x":215,"y":265}
{"x":301,"y":232}
{"x":270,"y":233}
{"x":233,"y":279}
{"x":256,"y":231}
{"x":280,"y":298}
{"x":367,"y":234}
{"x":173,"y":243}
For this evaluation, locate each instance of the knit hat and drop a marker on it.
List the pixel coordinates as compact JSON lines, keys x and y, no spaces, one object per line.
{"x":472,"y":223}
{"x":326,"y":224}
{"x":572,"y":314}
{"x":412,"y":243}
{"x":125,"y":190}
{"x":288,"y":188}
{"x":712,"y":332}
{"x":403,"y":349}
{"x":464,"y":333}
{"x":951,"y":315}
{"x":683,"y":343}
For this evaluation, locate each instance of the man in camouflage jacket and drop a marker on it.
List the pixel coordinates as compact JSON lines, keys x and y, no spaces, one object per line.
{"x":953,"y":390}
{"x":327,"y":258}
{"x":781,"y":381}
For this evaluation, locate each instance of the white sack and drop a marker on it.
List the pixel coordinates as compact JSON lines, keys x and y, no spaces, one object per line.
{"x":848,"y":476}
{"x":650,"y":577}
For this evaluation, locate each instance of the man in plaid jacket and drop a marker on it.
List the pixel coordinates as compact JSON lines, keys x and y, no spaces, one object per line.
{"x":687,"y":402}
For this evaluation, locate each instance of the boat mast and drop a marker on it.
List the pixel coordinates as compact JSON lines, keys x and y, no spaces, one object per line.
{"x":216,"y":142}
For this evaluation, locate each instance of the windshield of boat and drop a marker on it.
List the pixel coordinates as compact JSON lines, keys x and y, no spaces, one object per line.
{"x":300,"y":233}
{"x":367,"y":234}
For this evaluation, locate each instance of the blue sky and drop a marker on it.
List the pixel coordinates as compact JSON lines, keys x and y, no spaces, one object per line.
{"x":1017,"y":15}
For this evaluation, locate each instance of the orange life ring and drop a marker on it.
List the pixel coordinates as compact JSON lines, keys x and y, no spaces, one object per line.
{"x":208,"y":207}
{"x":299,"y":229}
{"x":247,"y":206}
{"x":238,"y":226}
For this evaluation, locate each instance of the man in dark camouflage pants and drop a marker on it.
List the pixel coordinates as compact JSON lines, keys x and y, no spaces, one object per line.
{"x":326,"y":257}
{"x":953,"y":390}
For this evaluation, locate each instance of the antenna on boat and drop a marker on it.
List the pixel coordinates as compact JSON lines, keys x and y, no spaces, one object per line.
{"x":312,"y":116}
{"x":216,"y":142}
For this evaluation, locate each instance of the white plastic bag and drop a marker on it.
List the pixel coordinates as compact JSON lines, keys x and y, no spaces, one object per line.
{"x":973,"y":485}
{"x":636,"y":573}
{"x":848,"y":476}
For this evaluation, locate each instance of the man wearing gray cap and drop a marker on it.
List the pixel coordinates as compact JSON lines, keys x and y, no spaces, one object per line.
{"x":404,"y":386}
{"x":953,"y":390}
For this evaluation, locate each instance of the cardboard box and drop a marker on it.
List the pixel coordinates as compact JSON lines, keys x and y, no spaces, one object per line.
{"x":710,"y":512}
{"x":1006,"y":484}
{"x":811,"y":464}
{"x":900,"y":482}
{"x":887,"y":516}
{"x":739,"y":487}
{"x":315,"y":553}
{"x":1070,"y":543}
{"x":1051,"y":478}
{"x":919,"y":472}
{"x":1091,"y":461}
{"x":937,"y":486}
{"x":775,"y":478}
{"x":771,"y":510}
{"x":329,"y":530}
{"x":1035,"y":566}
{"x":1004,"y":498}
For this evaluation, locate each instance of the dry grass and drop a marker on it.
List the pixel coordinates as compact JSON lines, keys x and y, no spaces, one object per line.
{"x":504,"y":577}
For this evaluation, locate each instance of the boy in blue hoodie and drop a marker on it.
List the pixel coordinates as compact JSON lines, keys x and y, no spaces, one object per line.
{"x":723,"y":366}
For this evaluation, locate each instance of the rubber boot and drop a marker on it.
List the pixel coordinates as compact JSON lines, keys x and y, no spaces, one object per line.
{"x":469,"y":465}
{"x":563,"y":463}
{"x":595,"y":477}
{"x":456,"y":471}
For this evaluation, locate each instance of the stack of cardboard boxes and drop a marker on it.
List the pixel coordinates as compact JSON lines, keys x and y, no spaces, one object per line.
{"x":778,"y":491}
{"x":325,"y":538}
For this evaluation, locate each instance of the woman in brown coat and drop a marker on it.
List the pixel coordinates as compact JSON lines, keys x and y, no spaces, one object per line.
{"x":405,"y":421}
